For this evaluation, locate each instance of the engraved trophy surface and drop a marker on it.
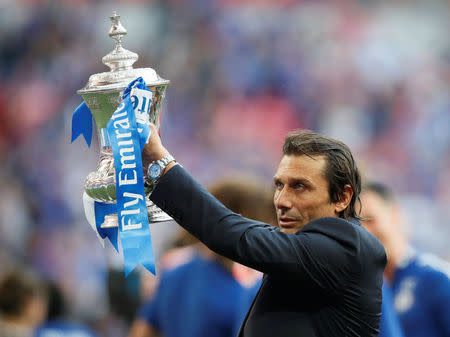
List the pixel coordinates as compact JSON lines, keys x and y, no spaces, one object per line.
{"x":102,"y":94}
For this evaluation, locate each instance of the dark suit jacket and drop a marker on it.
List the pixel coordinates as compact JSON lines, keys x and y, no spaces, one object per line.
{"x":324,"y":280}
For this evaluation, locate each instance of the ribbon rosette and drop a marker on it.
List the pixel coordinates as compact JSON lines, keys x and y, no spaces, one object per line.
{"x":128,"y":131}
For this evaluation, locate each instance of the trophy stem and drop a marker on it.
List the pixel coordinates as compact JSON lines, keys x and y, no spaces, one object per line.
{"x":104,"y":138}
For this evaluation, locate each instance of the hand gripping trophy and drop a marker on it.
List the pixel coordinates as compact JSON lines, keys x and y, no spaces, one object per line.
{"x":106,"y":96}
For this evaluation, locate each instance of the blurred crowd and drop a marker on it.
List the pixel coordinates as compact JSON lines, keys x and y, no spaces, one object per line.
{"x":375,"y":74}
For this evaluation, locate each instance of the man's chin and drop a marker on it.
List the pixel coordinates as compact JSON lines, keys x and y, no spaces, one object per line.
{"x":290,"y":229}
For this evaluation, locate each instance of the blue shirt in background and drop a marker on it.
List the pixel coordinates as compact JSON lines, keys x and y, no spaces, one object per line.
{"x":421,"y":290}
{"x":198,"y":299}
{"x":62,"y":328}
{"x":247,"y":297}
{"x":389,"y":323}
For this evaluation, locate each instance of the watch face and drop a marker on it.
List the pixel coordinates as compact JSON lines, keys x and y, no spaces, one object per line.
{"x":154,"y":171}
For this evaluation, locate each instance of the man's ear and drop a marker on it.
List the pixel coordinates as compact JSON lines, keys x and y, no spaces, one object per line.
{"x":344,"y":199}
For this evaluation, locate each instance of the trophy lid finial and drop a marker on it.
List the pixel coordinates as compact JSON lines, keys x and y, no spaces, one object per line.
{"x":120,"y":61}
{"x":117,"y":31}
{"x":120,"y":58}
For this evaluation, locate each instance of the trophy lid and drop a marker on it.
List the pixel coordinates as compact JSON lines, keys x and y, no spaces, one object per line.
{"x":120,"y":61}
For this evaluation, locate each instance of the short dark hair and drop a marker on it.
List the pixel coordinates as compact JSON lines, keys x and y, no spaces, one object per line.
{"x":340,"y":167}
{"x":247,"y":196}
{"x":380,"y":189}
{"x":17,"y":288}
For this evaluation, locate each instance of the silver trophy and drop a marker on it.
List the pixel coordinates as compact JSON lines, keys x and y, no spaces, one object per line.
{"x":102,"y":94}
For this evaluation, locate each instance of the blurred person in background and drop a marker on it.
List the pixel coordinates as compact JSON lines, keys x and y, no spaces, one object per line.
{"x":202,"y":295}
{"x":420,"y":281}
{"x":180,"y":251}
{"x":23,"y":303}
{"x":58,"y":322}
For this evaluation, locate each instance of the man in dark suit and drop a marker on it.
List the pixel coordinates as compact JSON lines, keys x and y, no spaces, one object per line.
{"x":323,"y":271}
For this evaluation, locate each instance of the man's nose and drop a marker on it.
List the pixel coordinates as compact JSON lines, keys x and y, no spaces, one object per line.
{"x":282,"y":199}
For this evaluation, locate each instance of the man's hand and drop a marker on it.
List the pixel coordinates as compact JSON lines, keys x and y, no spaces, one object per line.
{"x":153,"y":149}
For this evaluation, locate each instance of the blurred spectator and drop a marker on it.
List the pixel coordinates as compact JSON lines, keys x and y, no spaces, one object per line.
{"x":420,"y":281}
{"x":23,"y":303}
{"x":58,"y":322}
{"x":201,"y":297}
{"x":184,"y":304}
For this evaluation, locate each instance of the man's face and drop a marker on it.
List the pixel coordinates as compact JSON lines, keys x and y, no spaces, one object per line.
{"x":301,"y":192}
{"x":378,"y":213}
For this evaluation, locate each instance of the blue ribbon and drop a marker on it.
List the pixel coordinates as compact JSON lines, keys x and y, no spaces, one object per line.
{"x":102,"y":209}
{"x":128,"y":137}
{"x":82,"y":123}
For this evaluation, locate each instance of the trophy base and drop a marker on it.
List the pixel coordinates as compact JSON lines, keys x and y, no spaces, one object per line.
{"x":155,"y":214}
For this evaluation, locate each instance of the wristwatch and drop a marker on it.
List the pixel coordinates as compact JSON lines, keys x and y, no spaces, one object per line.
{"x":156,"y":169}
